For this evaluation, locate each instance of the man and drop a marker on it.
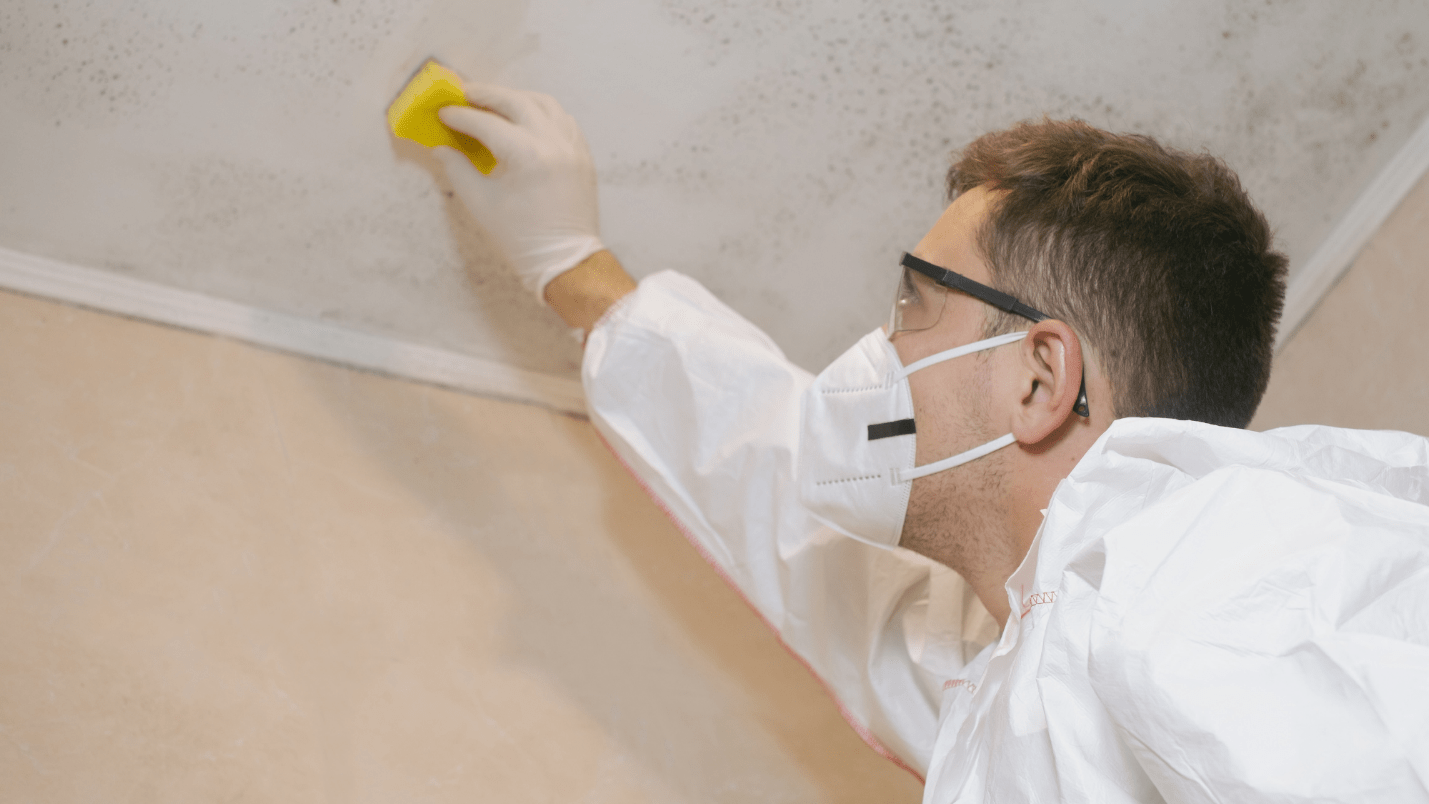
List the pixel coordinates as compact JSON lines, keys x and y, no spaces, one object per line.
{"x":1105,"y":592}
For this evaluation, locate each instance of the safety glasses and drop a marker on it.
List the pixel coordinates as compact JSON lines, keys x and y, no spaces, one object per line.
{"x":923,"y":292}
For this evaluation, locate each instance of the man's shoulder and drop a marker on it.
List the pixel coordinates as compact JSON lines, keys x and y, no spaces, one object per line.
{"x":1381,"y":461}
{"x":1211,"y":542}
{"x":1150,"y":484}
{"x":1218,"y":504}
{"x":1263,"y":595}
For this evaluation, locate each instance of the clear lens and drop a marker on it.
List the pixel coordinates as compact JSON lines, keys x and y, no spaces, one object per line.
{"x":918,"y":303}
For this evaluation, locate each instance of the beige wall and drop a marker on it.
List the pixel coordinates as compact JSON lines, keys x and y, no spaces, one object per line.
{"x":782,"y":153}
{"x":1361,"y":359}
{"x":232,"y":575}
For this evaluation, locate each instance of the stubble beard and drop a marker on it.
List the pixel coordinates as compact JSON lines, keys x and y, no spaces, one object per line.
{"x":958,"y":517}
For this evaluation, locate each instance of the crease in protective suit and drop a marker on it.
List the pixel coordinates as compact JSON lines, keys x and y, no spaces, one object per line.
{"x":1206,"y":614}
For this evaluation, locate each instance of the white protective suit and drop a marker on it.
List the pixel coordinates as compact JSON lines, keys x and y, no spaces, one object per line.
{"x":1206,"y":614}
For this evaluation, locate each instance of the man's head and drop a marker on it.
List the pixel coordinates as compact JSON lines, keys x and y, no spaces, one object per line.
{"x":1161,"y":291}
{"x":1157,"y":258}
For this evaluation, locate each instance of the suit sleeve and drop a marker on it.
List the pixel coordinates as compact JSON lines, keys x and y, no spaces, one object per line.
{"x":703,"y":408}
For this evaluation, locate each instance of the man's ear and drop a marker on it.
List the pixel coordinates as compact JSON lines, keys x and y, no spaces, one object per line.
{"x":1050,"y":380}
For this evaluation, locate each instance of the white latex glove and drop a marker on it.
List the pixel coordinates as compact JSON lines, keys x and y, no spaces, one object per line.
{"x":538,"y":207}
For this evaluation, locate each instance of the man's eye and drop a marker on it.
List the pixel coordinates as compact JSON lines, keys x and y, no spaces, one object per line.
{"x":911,"y":294}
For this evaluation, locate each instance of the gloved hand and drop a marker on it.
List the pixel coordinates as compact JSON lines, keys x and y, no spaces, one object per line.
{"x":538,"y":207}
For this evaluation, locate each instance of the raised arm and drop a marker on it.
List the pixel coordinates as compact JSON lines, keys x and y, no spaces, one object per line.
{"x":704,"y":410}
{"x":583,"y":294}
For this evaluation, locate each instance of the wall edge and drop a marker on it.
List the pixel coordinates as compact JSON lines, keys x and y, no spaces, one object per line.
{"x":1342,"y":246}
{"x":112,"y":293}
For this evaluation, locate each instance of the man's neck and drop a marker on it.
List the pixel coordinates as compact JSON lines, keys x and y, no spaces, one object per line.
{"x":987,"y":540}
{"x":1033,"y":478}
{"x":969,"y":523}
{"x":1004,"y":547}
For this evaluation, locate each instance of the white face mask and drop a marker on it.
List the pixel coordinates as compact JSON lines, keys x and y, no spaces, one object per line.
{"x":856,"y":448}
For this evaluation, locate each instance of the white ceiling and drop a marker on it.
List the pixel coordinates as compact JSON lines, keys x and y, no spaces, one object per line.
{"x":783,"y":153}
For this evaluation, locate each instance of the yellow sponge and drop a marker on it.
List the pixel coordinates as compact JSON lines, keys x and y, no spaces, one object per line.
{"x":413,"y":114}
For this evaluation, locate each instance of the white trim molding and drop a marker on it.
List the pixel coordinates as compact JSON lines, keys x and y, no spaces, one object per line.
{"x":1342,"y":246}
{"x":112,"y":293}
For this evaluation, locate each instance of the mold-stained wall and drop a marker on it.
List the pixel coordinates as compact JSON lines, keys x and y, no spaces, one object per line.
{"x":782,"y":153}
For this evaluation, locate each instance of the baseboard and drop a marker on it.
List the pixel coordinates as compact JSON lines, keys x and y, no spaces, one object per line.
{"x":112,"y":293}
{"x":1339,"y":250}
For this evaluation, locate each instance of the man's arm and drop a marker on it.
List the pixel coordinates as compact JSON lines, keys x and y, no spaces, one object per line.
{"x":581,"y":295}
{"x":703,"y":408}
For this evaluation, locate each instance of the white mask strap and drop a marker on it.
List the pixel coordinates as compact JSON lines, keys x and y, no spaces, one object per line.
{"x":977,"y":346}
{"x":956,"y":460}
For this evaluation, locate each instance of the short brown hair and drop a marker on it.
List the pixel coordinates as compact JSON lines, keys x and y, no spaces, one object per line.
{"x":1155,"y":256}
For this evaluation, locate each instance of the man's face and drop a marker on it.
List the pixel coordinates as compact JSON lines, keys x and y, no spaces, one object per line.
{"x":946,"y":510}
